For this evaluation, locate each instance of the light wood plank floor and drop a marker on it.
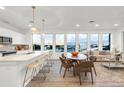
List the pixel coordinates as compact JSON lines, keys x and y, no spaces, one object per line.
{"x":104,"y":78}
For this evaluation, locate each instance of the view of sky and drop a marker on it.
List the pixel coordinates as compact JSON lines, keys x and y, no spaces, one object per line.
{"x":48,"y":38}
{"x":70,"y":37}
{"x":59,"y":39}
{"x":36,"y":38}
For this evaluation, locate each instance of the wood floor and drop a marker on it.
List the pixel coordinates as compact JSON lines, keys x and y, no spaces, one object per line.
{"x":104,"y":78}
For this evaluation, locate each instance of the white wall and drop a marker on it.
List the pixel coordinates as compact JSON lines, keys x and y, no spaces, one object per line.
{"x":18,"y":38}
{"x":117,"y":40}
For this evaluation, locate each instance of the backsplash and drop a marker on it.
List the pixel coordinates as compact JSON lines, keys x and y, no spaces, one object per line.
{"x":6,"y":47}
{"x":13,"y":47}
{"x":21,"y":47}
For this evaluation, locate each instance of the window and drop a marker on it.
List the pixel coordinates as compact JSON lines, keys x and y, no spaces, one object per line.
{"x":106,"y":41}
{"x":48,"y":42}
{"x":36,"y":42}
{"x":36,"y":39}
{"x":59,"y":43}
{"x":36,"y":47}
{"x":82,"y":42}
{"x":71,"y":42}
{"x":94,"y":41}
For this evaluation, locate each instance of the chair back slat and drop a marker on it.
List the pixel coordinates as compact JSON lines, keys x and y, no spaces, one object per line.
{"x":62,"y":60}
{"x":85,"y":64}
{"x":63,"y":56}
{"x":92,"y":58}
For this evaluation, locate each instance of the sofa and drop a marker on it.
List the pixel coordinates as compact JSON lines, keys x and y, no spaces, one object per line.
{"x":102,"y":56}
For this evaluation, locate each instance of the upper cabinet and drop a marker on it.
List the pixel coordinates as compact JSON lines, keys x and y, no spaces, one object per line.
{"x":5,"y":40}
{"x":17,"y":38}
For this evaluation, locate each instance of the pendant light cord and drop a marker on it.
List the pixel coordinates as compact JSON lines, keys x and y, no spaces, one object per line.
{"x":33,"y":7}
{"x":43,"y":20}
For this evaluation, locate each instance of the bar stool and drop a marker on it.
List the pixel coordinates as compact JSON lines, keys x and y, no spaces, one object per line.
{"x":50,"y":58}
{"x":32,"y":67}
{"x":41,"y":68}
{"x":46,"y":67}
{"x":41,"y":75}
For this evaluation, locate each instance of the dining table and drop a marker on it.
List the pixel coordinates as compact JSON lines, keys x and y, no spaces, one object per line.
{"x":79,"y":57}
{"x":76,"y":60}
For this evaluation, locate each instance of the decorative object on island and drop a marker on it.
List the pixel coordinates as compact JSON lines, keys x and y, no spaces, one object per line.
{"x":75,"y":54}
{"x":21,"y":47}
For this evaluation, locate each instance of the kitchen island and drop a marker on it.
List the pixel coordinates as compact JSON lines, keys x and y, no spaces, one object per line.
{"x":13,"y":67}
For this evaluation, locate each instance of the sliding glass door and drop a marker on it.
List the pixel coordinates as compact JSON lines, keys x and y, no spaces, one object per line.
{"x":59,"y":47}
{"x":71,"y":44}
{"x":82,"y":44}
{"x":48,"y":41}
{"x":36,"y":42}
{"x":94,"y":41}
{"x":106,"y":38}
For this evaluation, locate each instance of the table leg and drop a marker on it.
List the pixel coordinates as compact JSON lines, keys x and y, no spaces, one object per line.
{"x":109,"y":64}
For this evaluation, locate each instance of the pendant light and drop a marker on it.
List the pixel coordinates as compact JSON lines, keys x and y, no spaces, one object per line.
{"x":43,"y":26}
{"x":33,"y":29}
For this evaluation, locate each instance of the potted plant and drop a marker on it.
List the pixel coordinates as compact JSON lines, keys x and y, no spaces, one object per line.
{"x":118,"y":56}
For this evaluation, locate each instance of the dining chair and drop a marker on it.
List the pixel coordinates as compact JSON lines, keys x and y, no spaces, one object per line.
{"x":93,"y":59}
{"x":84,"y":67}
{"x":67,"y":65}
{"x":63,"y":56}
{"x":86,"y":56}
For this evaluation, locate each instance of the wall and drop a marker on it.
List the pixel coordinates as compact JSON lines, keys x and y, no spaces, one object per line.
{"x":117,"y":40}
{"x":18,"y":38}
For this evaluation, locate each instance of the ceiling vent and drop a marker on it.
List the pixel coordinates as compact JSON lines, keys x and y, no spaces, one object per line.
{"x":91,"y":21}
{"x":31,"y":21}
{"x":6,"y":22}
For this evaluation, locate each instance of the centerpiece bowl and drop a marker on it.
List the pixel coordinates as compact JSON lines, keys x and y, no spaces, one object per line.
{"x":75,"y":54}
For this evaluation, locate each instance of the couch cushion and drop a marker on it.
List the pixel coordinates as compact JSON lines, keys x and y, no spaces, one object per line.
{"x":95,"y":52}
{"x":104,"y":53}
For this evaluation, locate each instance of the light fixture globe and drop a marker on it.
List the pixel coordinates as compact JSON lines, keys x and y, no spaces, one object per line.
{"x":33,"y":29}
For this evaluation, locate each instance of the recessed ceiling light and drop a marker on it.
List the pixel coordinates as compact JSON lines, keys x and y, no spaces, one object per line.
{"x":2,"y":8}
{"x":77,"y":25}
{"x":116,"y":24}
{"x":97,"y":25}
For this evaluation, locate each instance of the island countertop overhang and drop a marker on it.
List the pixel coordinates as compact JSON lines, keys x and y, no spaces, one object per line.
{"x":23,"y":57}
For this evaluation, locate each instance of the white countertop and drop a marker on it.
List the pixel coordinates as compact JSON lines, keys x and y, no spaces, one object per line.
{"x":22,"y":57}
{"x":13,"y":67}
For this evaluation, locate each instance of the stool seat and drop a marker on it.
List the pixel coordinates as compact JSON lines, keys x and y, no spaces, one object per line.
{"x":34,"y":65}
{"x":35,"y":69}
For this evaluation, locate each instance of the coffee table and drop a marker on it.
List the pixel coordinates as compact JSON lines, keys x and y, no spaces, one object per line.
{"x":112,"y":63}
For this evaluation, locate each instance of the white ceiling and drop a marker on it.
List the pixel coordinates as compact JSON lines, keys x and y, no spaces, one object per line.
{"x":63,"y":17}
